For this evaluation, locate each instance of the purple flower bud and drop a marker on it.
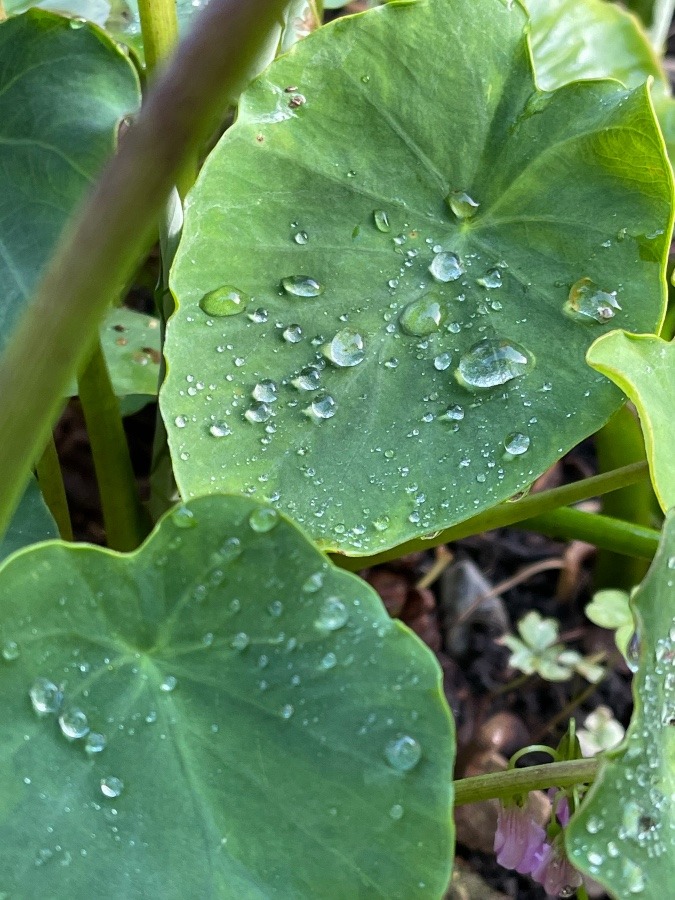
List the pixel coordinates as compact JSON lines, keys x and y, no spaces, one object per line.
{"x":519,"y":839}
{"x":555,"y":872}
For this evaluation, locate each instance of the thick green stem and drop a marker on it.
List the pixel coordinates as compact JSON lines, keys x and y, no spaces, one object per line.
{"x":159,"y":27}
{"x":50,"y":479}
{"x":512,"y":782}
{"x":125,"y":522}
{"x":610,"y":534}
{"x":113,"y":230}
{"x":509,"y":513}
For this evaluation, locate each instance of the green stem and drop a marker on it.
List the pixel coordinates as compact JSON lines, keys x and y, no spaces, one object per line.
{"x":610,"y":534}
{"x":511,"y":782}
{"x":113,"y":229}
{"x":50,"y":479}
{"x":509,"y":513}
{"x":159,"y":28}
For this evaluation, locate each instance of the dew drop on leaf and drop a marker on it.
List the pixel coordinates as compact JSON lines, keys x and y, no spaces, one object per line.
{"x":292,"y":334}
{"x":403,"y":753}
{"x":462,"y":205}
{"x":381,"y":220}
{"x":168,"y":684}
{"x":324,"y":407}
{"x":446,"y":266}
{"x":95,"y":742}
{"x":111,"y":786}
{"x":490,"y":363}
{"x":73,"y":724}
{"x":301,"y":286}
{"x":587,"y":303}
{"x":301,"y":237}
{"x":265,"y":391}
{"x":516,"y":443}
{"x":10,"y":651}
{"x":491,"y":279}
{"x":258,"y":413}
{"x":442,"y":362}
{"x":224,"y":301}
{"x":421,"y":317}
{"x":396,"y":811}
{"x":345,"y":349}
{"x":220,"y":429}
{"x":263,"y":519}
{"x":45,"y":696}
{"x":333,"y":614}
{"x":183,"y":517}
{"x":287,"y":711}
{"x":314,"y":583}
{"x":241,"y":641}
{"x":329,"y":661}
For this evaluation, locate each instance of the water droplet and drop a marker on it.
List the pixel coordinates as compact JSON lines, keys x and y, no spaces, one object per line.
{"x":301,"y":237}
{"x":183,"y":517}
{"x":490,"y":363}
{"x":45,"y":696}
{"x":259,"y":412}
{"x":73,"y":724}
{"x":633,"y":651}
{"x":442,"y":362}
{"x":292,"y":334}
{"x":275,"y":608}
{"x":10,"y":651}
{"x":265,"y":391}
{"x":516,"y":443}
{"x":258,"y":316}
{"x":224,"y":301}
{"x":633,"y":876}
{"x":446,"y":266}
{"x":671,"y":562}
{"x":301,"y":286}
{"x":240,"y":641}
{"x":396,"y":811}
{"x":381,"y":220}
{"x":169,"y":684}
{"x":180,"y":421}
{"x":111,"y":786}
{"x":329,"y":661}
{"x":345,"y":349}
{"x":333,"y":615}
{"x":453,"y":413}
{"x":421,"y":317}
{"x":403,"y":753}
{"x":95,"y":742}
{"x":314,"y":583}
{"x":462,"y":205}
{"x":287,"y":711}
{"x":491,"y":279}
{"x":263,"y":519}
{"x":587,"y":303}
{"x":324,"y":407}
{"x":230,"y":550}
{"x":381,"y":523}
{"x":220,"y":429}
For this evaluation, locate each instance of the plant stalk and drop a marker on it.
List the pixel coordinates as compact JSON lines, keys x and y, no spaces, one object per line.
{"x":125,"y":521}
{"x":509,"y":513}
{"x":50,"y":479}
{"x":113,"y":229}
{"x":510,"y":782}
{"x":159,"y":28}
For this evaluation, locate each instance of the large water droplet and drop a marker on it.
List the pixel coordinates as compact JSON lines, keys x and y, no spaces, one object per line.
{"x":453,"y":413}
{"x":95,"y":742}
{"x":259,"y":412}
{"x":224,"y":301}
{"x":265,"y":391}
{"x":516,"y":443}
{"x":241,"y":641}
{"x":442,"y":362}
{"x":111,"y":786}
{"x":292,"y":334}
{"x":345,"y":349}
{"x":324,"y":407}
{"x":183,"y":517}
{"x":333,"y":615}
{"x":287,"y":711}
{"x":492,"y":362}
{"x":446,"y":266}
{"x":422,"y":317}
{"x":301,"y":286}
{"x":587,"y":303}
{"x":220,"y":429}
{"x":403,"y":753}
{"x":381,"y":220}
{"x":10,"y":651}
{"x":462,"y":205}
{"x":263,"y":519}
{"x":396,"y":811}
{"x":45,"y":696}
{"x":168,"y":684}
{"x":301,"y":237}
{"x":314,"y":583}
{"x":491,"y":279}
{"x":329,"y":661}
{"x":73,"y":724}
{"x":309,"y":379}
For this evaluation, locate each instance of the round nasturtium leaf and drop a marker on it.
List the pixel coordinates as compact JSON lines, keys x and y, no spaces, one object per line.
{"x":221,"y":714}
{"x":624,"y":833}
{"x":428,"y":245}
{"x":64,"y":87}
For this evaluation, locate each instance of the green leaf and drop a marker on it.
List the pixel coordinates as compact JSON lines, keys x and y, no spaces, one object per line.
{"x":570,"y":185}
{"x":624,"y":833}
{"x":584,"y":39}
{"x":611,"y":609}
{"x":656,"y":15}
{"x":64,"y":87}
{"x":264,"y":714}
{"x":643,"y":366}
{"x":537,"y":632}
{"x":32,"y":522}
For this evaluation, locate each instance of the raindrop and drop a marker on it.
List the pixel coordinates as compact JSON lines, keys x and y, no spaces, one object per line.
{"x":345,"y":349}
{"x":442,"y":362}
{"x":45,"y":696}
{"x":259,"y":412}
{"x":300,"y":237}
{"x":309,"y":379}
{"x":287,"y":711}
{"x":446,"y":266}
{"x":324,"y":407}
{"x":453,"y":413}
{"x":169,"y":684}
{"x":633,"y":651}
{"x":258,"y":316}
{"x":333,"y":615}
{"x":301,"y":286}
{"x":329,"y":661}
{"x":220,"y":429}
{"x":462,"y":205}
{"x":403,"y":753}
{"x":292,"y":334}
{"x":182,"y":517}
{"x":396,"y":812}
{"x":491,"y":279}
{"x":275,"y":608}
{"x":263,"y":519}
{"x":73,"y":724}
{"x":381,"y":220}
{"x":230,"y":550}
{"x":587,"y":303}
{"x":224,"y":301}
{"x":421,"y":317}
{"x":381,"y":523}
{"x":490,"y":363}
{"x":516,"y":443}
{"x":265,"y":391}
{"x":633,"y":876}
{"x":111,"y":786}
{"x":314,"y":583}
{"x":95,"y":742}
{"x":240,"y":641}
{"x":180,"y":421}
{"x":10,"y":651}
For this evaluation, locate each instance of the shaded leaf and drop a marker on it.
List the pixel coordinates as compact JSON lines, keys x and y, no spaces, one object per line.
{"x":611,"y":609}
{"x":259,"y":727}
{"x":624,"y":833}
{"x":344,"y":196}
{"x":32,"y":522}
